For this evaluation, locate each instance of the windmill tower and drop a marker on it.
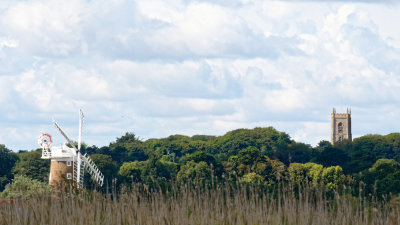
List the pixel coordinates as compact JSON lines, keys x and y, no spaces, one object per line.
{"x":67,"y":163}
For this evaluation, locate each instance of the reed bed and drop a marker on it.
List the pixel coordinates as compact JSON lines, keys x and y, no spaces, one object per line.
{"x":201,"y":204}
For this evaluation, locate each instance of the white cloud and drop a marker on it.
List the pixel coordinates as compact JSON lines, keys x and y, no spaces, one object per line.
{"x":52,"y":90}
{"x":8,"y":43}
{"x":5,"y":87}
{"x":286,"y":100}
{"x":195,"y":67}
{"x":51,"y":27}
{"x":312,"y":132}
{"x":276,"y":9}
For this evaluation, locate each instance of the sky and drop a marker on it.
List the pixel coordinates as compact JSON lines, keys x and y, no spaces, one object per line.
{"x":158,"y":68}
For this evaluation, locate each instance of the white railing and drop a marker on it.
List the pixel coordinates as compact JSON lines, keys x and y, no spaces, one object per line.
{"x":57,"y":152}
{"x":46,"y":153}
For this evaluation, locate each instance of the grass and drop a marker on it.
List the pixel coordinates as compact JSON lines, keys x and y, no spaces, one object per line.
{"x":201,"y":204}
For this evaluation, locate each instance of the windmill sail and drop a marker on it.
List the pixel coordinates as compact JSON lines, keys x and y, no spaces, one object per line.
{"x":93,"y":170}
{"x":65,"y":136}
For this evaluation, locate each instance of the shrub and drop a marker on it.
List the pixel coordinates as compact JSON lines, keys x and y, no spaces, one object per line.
{"x":25,"y":187}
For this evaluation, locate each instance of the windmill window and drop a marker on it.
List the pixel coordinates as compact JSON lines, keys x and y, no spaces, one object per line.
{"x":69,"y":176}
{"x":340,"y":127}
{"x":68,"y":163}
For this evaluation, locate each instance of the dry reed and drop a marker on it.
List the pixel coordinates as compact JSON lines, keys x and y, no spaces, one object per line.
{"x":201,"y":204}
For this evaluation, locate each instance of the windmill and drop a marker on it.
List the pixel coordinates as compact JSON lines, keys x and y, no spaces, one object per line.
{"x":68,"y":162}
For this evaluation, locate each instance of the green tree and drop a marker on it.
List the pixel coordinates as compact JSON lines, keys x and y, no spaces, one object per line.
{"x":314,"y":172}
{"x":179,"y":145}
{"x":366,"y":150}
{"x":272,"y":171}
{"x":105,"y":164}
{"x":131,"y":171}
{"x":279,"y":170}
{"x":383,"y":167}
{"x":249,"y":156}
{"x":127,"y":148}
{"x":332,"y":156}
{"x":31,"y":164}
{"x":299,"y":152}
{"x":281,"y":148}
{"x":252,"y":178}
{"x":268,"y":140}
{"x":333,"y":177}
{"x":157,"y":170}
{"x":361,"y":160}
{"x":297,"y":173}
{"x":393,"y":142}
{"x":383,"y":177}
{"x":244,"y":162}
{"x":194,"y":171}
{"x":7,"y":162}
{"x":91,"y":150}
{"x":200,"y":156}
{"x":25,"y":187}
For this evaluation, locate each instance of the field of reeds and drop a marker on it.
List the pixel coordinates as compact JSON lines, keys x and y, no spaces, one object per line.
{"x":201,"y":204}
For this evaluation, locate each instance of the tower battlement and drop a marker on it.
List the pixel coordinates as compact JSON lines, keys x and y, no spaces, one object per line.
{"x":340,"y":115}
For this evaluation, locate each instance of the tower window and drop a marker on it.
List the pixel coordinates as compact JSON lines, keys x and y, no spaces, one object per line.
{"x":340,"y":127}
{"x":68,"y":163}
{"x":69,"y":176}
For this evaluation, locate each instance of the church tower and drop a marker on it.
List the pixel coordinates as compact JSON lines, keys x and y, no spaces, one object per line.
{"x":340,"y":126}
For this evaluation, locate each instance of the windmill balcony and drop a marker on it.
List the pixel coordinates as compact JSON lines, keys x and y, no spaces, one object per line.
{"x":58,"y":152}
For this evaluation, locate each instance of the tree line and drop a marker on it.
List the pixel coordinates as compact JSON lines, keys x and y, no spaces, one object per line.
{"x":259,"y":155}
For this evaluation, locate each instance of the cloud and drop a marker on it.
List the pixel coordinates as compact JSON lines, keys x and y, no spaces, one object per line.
{"x":51,"y":28}
{"x":195,"y":67}
{"x":184,"y":79}
{"x":208,"y":30}
{"x":193,"y":31}
{"x":346,"y":1}
{"x":8,"y":43}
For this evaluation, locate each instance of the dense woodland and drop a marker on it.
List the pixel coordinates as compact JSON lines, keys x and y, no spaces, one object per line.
{"x":260,"y":156}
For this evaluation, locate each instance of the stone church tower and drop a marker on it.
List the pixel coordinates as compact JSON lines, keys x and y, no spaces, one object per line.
{"x":340,"y":126}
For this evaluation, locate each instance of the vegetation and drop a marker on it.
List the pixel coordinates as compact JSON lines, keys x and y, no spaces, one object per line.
{"x":355,"y":176}
{"x":7,"y":162}
{"x":202,"y":203}
{"x":253,"y":155}
{"x":25,"y":187}
{"x":31,"y":164}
